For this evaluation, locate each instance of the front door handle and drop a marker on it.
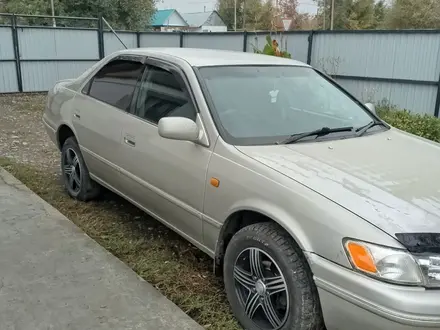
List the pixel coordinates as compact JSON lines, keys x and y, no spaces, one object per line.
{"x":129,"y":141}
{"x":77,"y":115}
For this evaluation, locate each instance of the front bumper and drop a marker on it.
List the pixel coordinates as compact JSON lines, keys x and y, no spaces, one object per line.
{"x":352,"y":301}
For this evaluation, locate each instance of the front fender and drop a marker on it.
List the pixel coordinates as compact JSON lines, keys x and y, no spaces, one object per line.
{"x":317,"y":224}
{"x":279,"y":215}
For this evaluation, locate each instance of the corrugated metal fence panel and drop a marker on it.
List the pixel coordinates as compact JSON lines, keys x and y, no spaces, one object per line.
{"x":160,"y":39}
{"x":296,"y":44}
{"x":367,"y":54}
{"x":417,"y":98}
{"x":40,"y":43}
{"x":8,"y":74}
{"x":384,"y":55}
{"x":40,"y":76}
{"x":8,"y":77}
{"x":112,"y":44}
{"x":230,"y":41}
{"x":6,"y":44}
{"x":255,"y":41}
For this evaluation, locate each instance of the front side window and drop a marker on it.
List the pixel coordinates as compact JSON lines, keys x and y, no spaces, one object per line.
{"x":115,"y":83}
{"x":266,"y":104}
{"x":162,"y":94}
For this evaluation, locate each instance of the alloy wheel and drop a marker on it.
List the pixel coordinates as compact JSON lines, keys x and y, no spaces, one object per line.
{"x":72,"y":170}
{"x":261,"y":289}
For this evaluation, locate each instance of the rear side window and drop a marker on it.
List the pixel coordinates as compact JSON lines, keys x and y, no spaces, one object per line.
{"x":115,"y":83}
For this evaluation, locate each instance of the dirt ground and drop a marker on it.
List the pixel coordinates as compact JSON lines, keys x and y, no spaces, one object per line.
{"x":22,"y":134}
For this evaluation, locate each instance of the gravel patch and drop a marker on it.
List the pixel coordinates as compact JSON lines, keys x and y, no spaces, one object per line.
{"x":22,"y":134}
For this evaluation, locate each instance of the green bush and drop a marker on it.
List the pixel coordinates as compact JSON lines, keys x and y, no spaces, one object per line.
{"x":422,"y":125}
{"x":271,"y":48}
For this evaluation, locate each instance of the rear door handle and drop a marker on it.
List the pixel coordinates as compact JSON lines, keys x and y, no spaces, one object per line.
{"x":129,"y":141}
{"x":76,"y":116}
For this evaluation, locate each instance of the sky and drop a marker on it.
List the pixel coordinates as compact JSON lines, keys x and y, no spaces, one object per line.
{"x":192,"y":6}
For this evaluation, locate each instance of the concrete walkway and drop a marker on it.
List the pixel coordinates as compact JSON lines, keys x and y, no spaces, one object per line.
{"x":53,"y":276}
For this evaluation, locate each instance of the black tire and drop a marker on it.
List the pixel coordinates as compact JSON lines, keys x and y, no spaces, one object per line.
{"x":270,"y":240}
{"x":86,"y":189}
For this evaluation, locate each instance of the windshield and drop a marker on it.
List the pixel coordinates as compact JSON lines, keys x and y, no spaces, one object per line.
{"x":265,"y":104}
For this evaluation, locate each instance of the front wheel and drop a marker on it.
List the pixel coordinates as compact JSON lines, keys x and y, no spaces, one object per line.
{"x":268,"y":282}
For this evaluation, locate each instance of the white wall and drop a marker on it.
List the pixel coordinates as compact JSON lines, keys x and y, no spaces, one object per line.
{"x":211,"y":29}
{"x":172,"y":28}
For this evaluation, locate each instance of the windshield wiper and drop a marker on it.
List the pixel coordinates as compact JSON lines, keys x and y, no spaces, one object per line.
{"x":319,"y":132}
{"x":362,"y":130}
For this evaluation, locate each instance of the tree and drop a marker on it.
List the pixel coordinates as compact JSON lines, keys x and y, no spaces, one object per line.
{"x":288,"y":8}
{"x":251,"y":14}
{"x":348,"y":14}
{"x":361,"y":15}
{"x":380,"y":12}
{"x":259,"y":15}
{"x":34,"y":7}
{"x":126,"y":14}
{"x":414,"y":14}
{"x":306,"y":21}
{"x":226,"y":10}
{"x":30,"y":7}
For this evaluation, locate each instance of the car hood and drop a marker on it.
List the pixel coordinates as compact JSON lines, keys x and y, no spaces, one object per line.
{"x":391,"y":179}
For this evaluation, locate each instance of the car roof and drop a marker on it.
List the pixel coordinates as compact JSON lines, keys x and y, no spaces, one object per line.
{"x":214,"y":57}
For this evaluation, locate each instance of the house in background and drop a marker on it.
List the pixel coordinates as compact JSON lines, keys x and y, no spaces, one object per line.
{"x":205,"y":22}
{"x":168,"y":20}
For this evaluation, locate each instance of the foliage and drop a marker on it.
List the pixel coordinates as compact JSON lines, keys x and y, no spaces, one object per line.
{"x":258,"y":15}
{"x":371,"y":14}
{"x":422,"y":125}
{"x":127,"y":14}
{"x":414,"y":14}
{"x":272,"y":48}
{"x":350,"y":14}
{"x":226,"y":10}
{"x":252,"y":15}
{"x":34,"y":7}
{"x":380,"y":12}
{"x":289,"y":10}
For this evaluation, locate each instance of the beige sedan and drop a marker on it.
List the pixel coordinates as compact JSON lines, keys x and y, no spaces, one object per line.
{"x":314,"y":210}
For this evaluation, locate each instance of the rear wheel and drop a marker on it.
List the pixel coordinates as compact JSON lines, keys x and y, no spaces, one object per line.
{"x":268,"y":282}
{"x":75,"y":174}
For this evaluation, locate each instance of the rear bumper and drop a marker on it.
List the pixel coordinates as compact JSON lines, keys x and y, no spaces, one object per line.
{"x":353,"y":301}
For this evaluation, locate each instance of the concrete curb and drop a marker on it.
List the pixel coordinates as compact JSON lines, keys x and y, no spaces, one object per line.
{"x":54,"y":276}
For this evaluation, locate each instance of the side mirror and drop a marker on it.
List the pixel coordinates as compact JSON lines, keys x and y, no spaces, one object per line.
{"x":178,"y":128}
{"x":371,"y":107}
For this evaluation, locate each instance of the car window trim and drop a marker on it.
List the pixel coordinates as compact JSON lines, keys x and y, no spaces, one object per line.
{"x":91,"y":77}
{"x":126,"y":57}
{"x":211,"y":107}
{"x":173,"y":69}
{"x":177,"y":70}
{"x":132,"y":108}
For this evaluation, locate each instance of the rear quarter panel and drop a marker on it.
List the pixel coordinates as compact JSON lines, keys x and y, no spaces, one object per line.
{"x":58,"y":107}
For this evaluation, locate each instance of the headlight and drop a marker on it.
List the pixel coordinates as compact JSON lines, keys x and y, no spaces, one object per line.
{"x":430,"y":266}
{"x":384,"y":263}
